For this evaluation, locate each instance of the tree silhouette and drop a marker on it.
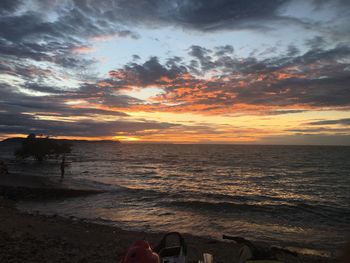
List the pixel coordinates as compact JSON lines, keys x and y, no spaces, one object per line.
{"x":41,"y":148}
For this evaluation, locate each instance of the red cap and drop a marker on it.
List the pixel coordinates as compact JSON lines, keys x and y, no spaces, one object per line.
{"x":140,"y":252}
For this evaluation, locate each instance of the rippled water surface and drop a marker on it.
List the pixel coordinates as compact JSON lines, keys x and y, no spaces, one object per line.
{"x":294,"y":195}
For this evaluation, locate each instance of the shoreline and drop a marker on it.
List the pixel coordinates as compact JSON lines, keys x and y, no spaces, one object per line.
{"x":40,"y":238}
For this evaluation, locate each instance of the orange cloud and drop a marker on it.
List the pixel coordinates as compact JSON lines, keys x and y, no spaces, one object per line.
{"x":103,"y":84}
{"x":83,"y":50}
{"x":197,"y":134}
{"x":102,"y":38}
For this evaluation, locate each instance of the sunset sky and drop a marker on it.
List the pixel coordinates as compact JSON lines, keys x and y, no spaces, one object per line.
{"x":225,"y":71}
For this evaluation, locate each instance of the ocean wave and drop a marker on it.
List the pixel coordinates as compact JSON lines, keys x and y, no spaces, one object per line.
{"x":271,"y":209}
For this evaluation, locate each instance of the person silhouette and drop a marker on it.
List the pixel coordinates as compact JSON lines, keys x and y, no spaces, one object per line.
{"x":3,"y":168}
{"x":62,"y":167}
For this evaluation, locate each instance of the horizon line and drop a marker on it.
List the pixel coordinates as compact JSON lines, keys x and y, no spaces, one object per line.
{"x":184,"y":143}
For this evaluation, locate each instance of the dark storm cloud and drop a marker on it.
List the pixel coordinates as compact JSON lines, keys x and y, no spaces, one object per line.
{"x":8,"y":6}
{"x":56,"y":30}
{"x":316,"y":42}
{"x":25,"y":124}
{"x":173,"y":61}
{"x":15,"y":102}
{"x":323,"y":3}
{"x":339,"y":52}
{"x":329,"y":61}
{"x":345,"y":121}
{"x":203,"y":56}
{"x":199,"y":52}
{"x":82,"y":19}
{"x":203,"y":15}
{"x":95,"y":18}
{"x":223,"y":50}
{"x":50,"y":107}
{"x":20,"y":50}
{"x":149,"y":72}
{"x":317,"y":78}
{"x":69,"y":26}
{"x":322,"y":130}
{"x":22,"y":114}
{"x":294,"y":91}
{"x":29,"y":35}
{"x":292,"y":50}
{"x":322,"y":57}
{"x":198,"y":14}
{"x":43,"y":88}
{"x":210,"y":15}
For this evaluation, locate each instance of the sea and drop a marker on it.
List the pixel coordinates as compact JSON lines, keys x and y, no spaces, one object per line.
{"x":295,"y":196}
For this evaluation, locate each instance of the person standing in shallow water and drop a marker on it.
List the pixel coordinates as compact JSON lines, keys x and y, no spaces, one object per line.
{"x":62,"y":167}
{"x":3,"y":168}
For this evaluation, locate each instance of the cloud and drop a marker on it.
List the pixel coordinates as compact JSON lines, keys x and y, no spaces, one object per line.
{"x":55,"y":115}
{"x":32,"y":35}
{"x":203,"y":56}
{"x":284,"y":84}
{"x":9,"y":6}
{"x":316,"y":42}
{"x":200,"y":15}
{"x":46,"y":67}
{"x":345,"y":122}
{"x":282,"y":112}
{"x":292,"y":50}
{"x":150,"y":72}
{"x":25,"y":124}
{"x":322,"y":130}
{"x":288,"y":83}
{"x":210,"y":16}
{"x":222,"y":50}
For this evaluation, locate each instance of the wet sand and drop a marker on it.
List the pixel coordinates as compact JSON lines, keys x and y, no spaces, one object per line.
{"x":15,"y":186}
{"x":37,"y":238}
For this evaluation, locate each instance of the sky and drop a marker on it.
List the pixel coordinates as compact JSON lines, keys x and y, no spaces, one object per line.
{"x":177,"y":71}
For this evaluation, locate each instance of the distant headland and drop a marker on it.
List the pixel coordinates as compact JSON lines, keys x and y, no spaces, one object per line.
{"x":21,"y":139}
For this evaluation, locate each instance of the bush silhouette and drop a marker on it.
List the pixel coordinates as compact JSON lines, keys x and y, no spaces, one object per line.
{"x":41,"y":148}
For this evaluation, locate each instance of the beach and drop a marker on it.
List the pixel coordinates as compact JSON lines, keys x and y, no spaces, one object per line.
{"x":32,"y":237}
{"x":38,"y":238}
{"x":35,"y":238}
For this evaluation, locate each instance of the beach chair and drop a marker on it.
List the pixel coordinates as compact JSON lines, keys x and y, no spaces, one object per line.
{"x":172,"y":254}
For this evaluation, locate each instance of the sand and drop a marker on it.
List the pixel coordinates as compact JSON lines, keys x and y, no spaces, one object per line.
{"x":37,"y":238}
